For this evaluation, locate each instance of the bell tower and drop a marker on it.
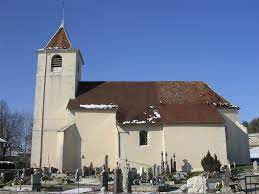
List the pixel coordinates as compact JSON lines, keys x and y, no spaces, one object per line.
{"x":58,"y":73}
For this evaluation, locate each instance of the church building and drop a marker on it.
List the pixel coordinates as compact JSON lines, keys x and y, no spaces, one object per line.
{"x":81,"y":122}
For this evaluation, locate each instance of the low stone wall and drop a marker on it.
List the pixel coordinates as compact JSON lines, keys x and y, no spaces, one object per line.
{"x":144,"y":188}
{"x":149,"y":188}
{"x":91,"y":180}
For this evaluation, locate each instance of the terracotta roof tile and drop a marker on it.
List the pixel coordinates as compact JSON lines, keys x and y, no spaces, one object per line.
{"x":60,"y":40}
{"x":176,"y":101}
{"x":190,"y":113}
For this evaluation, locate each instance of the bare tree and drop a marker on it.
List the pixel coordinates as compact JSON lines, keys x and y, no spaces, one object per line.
{"x":15,"y":128}
{"x":27,"y":132}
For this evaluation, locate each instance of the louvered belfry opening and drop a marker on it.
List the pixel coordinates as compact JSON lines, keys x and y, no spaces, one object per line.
{"x":56,"y":63}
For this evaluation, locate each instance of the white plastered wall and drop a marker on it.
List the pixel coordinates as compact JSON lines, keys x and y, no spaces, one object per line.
{"x":99,"y":137}
{"x":141,"y":156}
{"x":192,"y":142}
{"x":71,"y":150}
{"x":59,"y":88}
{"x":237,"y":138}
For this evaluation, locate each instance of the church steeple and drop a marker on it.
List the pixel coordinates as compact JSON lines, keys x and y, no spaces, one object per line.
{"x":60,"y":40}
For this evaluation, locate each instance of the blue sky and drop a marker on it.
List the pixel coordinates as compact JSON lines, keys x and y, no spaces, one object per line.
{"x":216,"y":41}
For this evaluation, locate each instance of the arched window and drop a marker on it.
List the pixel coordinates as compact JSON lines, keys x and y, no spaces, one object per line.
{"x":56,"y":63}
{"x":143,"y":138}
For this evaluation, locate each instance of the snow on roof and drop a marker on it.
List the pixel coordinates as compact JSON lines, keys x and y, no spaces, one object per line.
{"x":228,"y":105}
{"x":98,"y":106}
{"x":150,"y":119}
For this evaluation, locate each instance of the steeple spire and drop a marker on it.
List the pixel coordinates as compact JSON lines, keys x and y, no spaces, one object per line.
{"x":60,"y":40}
{"x":63,"y":15}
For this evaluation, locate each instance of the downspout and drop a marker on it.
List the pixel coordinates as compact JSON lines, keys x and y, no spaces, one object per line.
{"x":43,"y":111}
{"x":119,"y":143}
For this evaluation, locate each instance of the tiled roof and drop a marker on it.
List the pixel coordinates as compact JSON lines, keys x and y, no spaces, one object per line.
{"x":60,"y":40}
{"x":175,"y":101}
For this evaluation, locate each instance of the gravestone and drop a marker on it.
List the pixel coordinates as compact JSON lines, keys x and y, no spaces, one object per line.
{"x":150,"y":173}
{"x":127,"y":179}
{"x":171,"y":165}
{"x":143,"y":174}
{"x":15,"y":180}
{"x":227,"y":177}
{"x":174,"y":167}
{"x":78,"y":174}
{"x":2,"y":178}
{"x":23,"y":173}
{"x":229,"y":165}
{"x":84,"y":171}
{"x":45,"y":170}
{"x":234,"y":165}
{"x":133,"y":173}
{"x":106,"y":163}
{"x":98,"y":170}
{"x":158,"y":170}
{"x":36,"y":180}
{"x":167,"y":169}
{"x":255,"y":165}
{"x":154,"y":170}
{"x":118,"y":180}
{"x":166,"y":164}
{"x":104,"y":180}
{"x":162,"y":162}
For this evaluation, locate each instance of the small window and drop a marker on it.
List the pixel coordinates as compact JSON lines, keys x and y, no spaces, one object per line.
{"x":143,"y":139}
{"x":56,"y":63}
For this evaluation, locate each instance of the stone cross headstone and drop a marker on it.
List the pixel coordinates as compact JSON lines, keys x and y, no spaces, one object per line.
{"x":255,"y":165}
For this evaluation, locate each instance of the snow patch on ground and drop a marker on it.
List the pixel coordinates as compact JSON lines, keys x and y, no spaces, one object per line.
{"x":254,"y":152}
{"x":196,"y":184}
{"x":80,"y":190}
